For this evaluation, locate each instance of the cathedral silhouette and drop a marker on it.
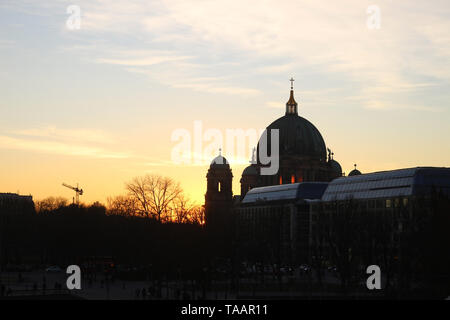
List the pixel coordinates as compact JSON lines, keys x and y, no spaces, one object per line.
{"x":302,"y":158}
{"x":284,"y":217}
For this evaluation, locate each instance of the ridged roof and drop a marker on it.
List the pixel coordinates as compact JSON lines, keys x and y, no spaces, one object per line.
{"x":386,"y":184}
{"x":293,"y":191}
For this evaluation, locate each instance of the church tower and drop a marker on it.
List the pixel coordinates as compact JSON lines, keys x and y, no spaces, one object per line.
{"x":250,"y":176}
{"x":219,"y":194}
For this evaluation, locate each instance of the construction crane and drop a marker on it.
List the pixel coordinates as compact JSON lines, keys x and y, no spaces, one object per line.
{"x":78,"y":193}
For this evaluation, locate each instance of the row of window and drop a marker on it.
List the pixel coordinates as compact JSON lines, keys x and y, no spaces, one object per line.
{"x":371,"y":204}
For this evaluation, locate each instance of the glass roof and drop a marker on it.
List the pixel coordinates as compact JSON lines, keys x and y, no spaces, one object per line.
{"x":294,"y":191}
{"x":387,"y":184}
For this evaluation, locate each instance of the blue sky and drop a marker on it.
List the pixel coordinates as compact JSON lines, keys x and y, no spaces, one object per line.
{"x":104,"y":99}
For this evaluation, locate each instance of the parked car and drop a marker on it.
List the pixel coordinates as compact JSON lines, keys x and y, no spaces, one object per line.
{"x":304,"y":268}
{"x":53,"y":269}
{"x":268,"y":269}
{"x":286,"y":270}
{"x":332,"y":269}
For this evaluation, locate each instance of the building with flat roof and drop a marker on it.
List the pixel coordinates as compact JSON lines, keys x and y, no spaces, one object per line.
{"x":284,"y":223}
{"x":273,"y":222}
{"x":12,"y":203}
{"x":389,"y":184}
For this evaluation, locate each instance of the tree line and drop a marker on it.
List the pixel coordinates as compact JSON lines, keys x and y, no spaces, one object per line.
{"x":152,"y":224}
{"x":150,"y":196}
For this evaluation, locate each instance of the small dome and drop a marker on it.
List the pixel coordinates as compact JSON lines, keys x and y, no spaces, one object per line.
{"x":335,"y":167}
{"x":250,"y":171}
{"x":219,"y":161}
{"x":354,"y":172}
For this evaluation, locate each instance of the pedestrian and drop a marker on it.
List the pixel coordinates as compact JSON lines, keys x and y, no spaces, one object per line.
{"x":137,"y":293}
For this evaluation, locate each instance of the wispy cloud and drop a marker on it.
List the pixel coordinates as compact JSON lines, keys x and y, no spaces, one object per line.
{"x":72,"y":135}
{"x":5,"y":43}
{"x":140,"y":62}
{"x":70,"y":142}
{"x":409,"y":52}
{"x":214,"y":88}
{"x":272,"y":29}
{"x":275,"y":104}
{"x":60,"y":148}
{"x":386,"y":106}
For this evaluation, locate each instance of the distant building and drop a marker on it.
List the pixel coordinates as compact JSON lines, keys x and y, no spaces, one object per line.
{"x":11,"y":203}
{"x":389,"y":204}
{"x":282,"y":223}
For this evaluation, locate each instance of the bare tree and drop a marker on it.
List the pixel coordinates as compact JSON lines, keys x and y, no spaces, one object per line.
{"x":138,"y":190}
{"x":197,"y":215}
{"x":154,"y":195}
{"x":50,"y":203}
{"x":181,"y":207}
{"x":122,"y":205}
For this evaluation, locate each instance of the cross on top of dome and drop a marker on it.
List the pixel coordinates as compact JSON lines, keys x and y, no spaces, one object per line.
{"x":291,"y":105}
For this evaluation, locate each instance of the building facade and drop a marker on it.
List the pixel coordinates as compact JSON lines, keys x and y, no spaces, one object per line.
{"x":11,"y":203}
{"x":369,"y":213}
{"x":273,"y":222}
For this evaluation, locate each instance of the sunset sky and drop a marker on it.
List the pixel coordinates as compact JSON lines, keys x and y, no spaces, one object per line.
{"x":98,"y":105}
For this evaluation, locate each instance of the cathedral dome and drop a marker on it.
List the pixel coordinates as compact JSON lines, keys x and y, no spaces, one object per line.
{"x":354,"y":172}
{"x":298,"y":137}
{"x":335,"y":167}
{"x":219,"y":161}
